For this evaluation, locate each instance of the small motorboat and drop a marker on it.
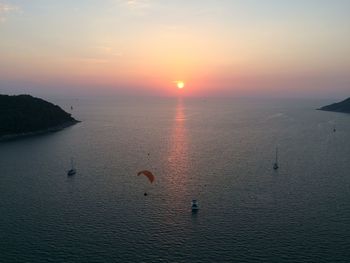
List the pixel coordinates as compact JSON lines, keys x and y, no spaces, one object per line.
{"x":194,"y":205}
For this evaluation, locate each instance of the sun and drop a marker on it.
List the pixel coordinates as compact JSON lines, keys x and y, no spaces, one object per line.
{"x":180,"y":84}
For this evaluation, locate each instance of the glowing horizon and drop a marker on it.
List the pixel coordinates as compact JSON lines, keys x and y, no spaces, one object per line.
{"x":243,"y":48}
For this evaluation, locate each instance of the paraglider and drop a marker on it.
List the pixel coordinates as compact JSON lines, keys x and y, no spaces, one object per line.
{"x":148,"y":174}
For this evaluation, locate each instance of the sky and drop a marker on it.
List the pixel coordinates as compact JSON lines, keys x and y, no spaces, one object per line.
{"x":238,"y":48}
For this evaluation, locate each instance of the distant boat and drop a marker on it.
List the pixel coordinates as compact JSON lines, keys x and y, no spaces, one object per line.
{"x":194,"y":205}
{"x":72,"y":170}
{"x":275,"y":165}
{"x":334,"y":129}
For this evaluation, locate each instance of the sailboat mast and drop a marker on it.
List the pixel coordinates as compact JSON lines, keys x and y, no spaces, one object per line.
{"x":276,"y":155}
{"x":275,"y":165}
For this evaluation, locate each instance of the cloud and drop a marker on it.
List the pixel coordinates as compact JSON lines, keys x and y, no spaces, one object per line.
{"x":86,"y":60}
{"x":107,"y":49}
{"x":136,"y":6}
{"x":6,"y":9}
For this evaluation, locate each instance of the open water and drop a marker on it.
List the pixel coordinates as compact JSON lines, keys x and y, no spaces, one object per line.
{"x":219,"y":151}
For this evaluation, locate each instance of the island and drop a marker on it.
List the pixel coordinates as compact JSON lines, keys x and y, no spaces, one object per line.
{"x":343,"y":106}
{"x":24,"y":115}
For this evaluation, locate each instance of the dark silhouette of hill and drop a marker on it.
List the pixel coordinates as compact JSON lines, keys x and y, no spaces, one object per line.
{"x":343,"y":106}
{"x":24,"y":115}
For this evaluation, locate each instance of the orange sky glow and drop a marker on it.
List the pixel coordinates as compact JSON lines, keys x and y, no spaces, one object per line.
{"x":226,"y":49}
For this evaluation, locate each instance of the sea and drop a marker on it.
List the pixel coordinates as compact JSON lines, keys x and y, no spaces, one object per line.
{"x":219,"y":151}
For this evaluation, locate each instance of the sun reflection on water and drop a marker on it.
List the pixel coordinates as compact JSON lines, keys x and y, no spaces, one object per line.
{"x":178,"y":158}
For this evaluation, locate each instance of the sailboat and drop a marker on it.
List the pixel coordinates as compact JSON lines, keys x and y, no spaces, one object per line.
{"x":72,"y":170}
{"x":275,"y":165}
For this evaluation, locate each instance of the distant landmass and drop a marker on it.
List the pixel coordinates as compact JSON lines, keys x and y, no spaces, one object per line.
{"x":25,"y":115}
{"x":343,"y":106}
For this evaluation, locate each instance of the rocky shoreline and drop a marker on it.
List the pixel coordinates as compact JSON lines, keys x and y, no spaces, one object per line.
{"x":343,"y":106}
{"x":25,"y":115}
{"x":11,"y":137}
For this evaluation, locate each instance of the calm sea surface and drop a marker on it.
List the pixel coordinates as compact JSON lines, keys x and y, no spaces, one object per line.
{"x":220,"y":151}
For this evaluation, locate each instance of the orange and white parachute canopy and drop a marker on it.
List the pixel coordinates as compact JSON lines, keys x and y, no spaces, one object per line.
{"x":148,"y":174}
